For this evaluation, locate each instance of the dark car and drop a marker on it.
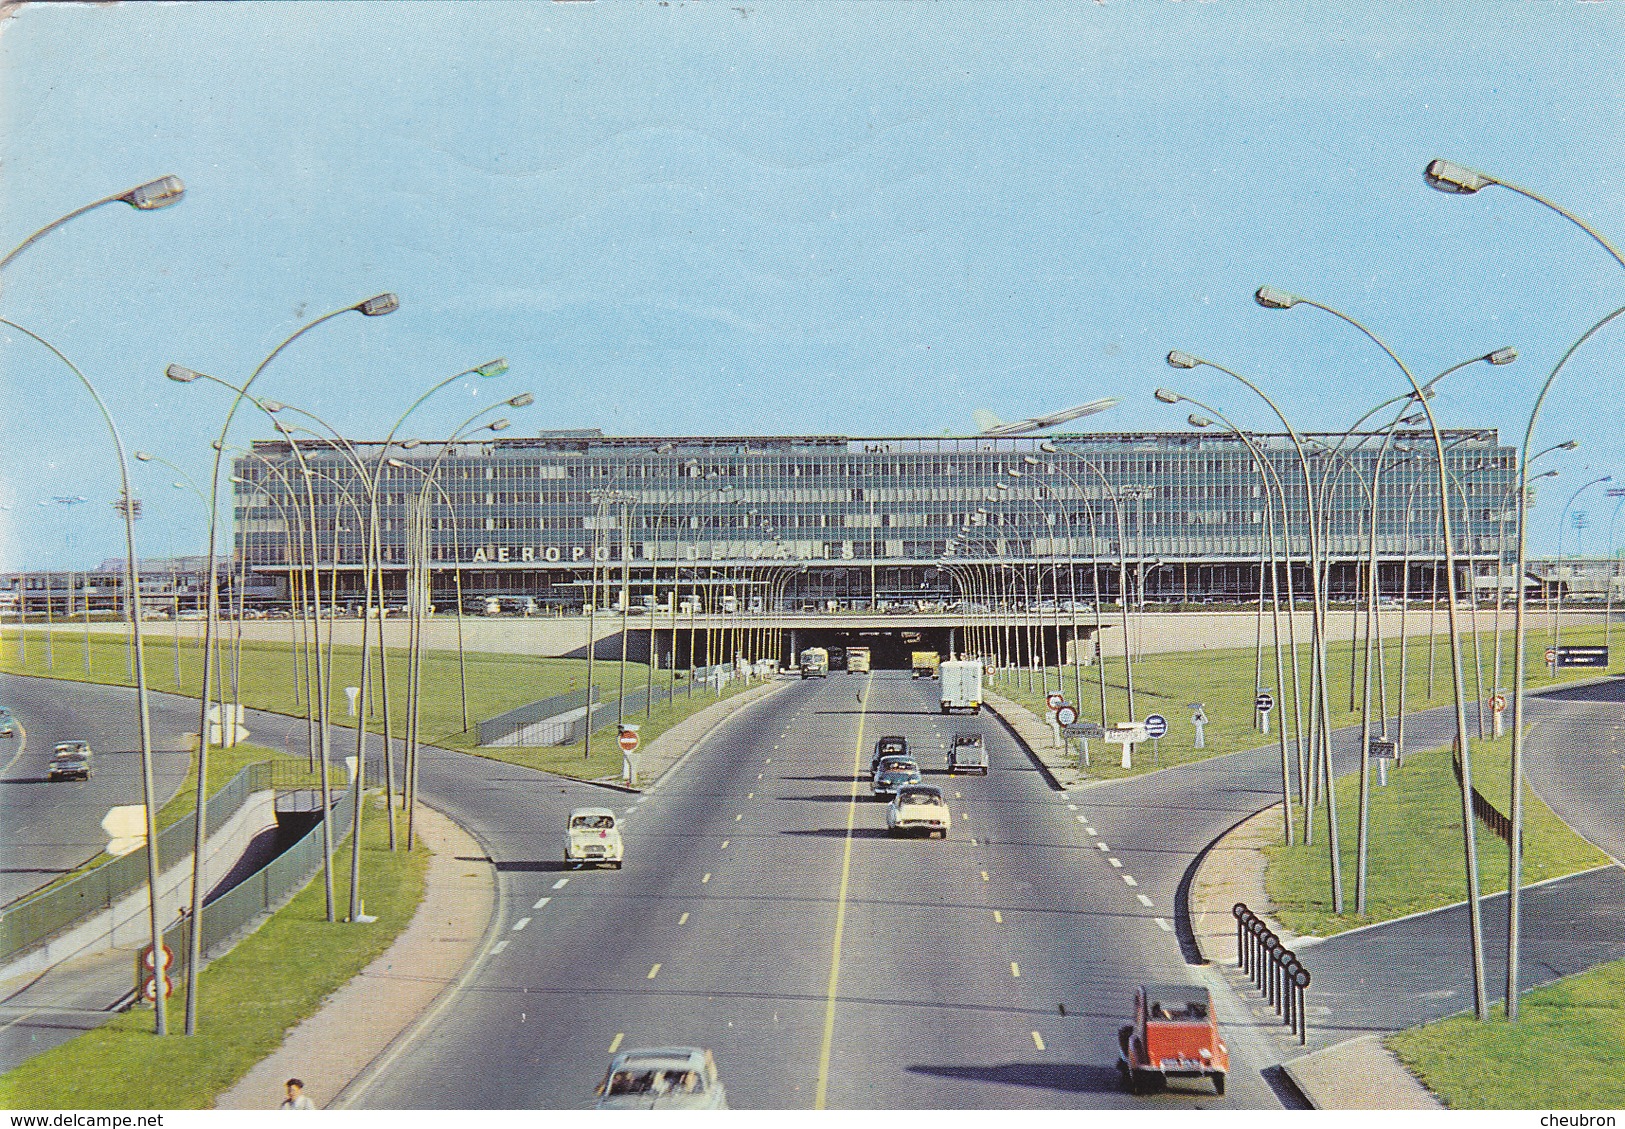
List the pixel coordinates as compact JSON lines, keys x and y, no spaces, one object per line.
{"x":968,"y":754}
{"x":70,"y":761}
{"x":893,"y":773}
{"x":888,"y":747}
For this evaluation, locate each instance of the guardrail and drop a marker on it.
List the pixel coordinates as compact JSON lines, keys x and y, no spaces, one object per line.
{"x":1274,"y":969}
{"x":39,"y":916}
{"x":1488,"y":814}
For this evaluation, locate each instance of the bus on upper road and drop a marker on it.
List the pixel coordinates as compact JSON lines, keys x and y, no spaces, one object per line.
{"x":814,"y":663}
{"x":857,"y":660}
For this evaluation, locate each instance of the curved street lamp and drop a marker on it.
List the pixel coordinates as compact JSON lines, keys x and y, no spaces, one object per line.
{"x":148,"y":197}
{"x":1273,"y":299}
{"x":1459,"y":180}
{"x":132,"y":580}
{"x":376,"y":306}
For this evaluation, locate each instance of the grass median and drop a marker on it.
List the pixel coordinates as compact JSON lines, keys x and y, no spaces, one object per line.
{"x":1223,"y":682}
{"x":248,"y":1000}
{"x":1563,"y":1052}
{"x":271,"y":676}
{"x":1416,"y":857}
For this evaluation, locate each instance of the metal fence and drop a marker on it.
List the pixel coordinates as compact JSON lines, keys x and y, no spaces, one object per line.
{"x":542,"y":723}
{"x":35,"y":918}
{"x":506,"y":726}
{"x":266,"y":890}
{"x":1275,"y":969}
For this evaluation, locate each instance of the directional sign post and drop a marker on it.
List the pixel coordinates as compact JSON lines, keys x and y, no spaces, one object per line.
{"x":1498,"y":706}
{"x":1128,"y":734}
{"x":1264,"y":703}
{"x":1156,"y":726}
{"x":1199,"y":723}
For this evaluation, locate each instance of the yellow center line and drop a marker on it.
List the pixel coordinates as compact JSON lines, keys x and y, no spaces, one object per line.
{"x":1038,"y":1040}
{"x":683,"y":920}
{"x":653,"y":972}
{"x":615,"y":1043}
{"x":840,"y":907}
{"x":1015,"y":970}
{"x":998,"y":917}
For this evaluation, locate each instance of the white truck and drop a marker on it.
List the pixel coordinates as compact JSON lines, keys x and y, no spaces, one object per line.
{"x":961,"y":682}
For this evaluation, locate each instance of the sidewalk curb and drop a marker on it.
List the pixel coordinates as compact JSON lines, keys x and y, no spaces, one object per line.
{"x":381,"y":1009}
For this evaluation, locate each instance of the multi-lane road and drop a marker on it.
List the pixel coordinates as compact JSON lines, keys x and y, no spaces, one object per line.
{"x":50,"y":827}
{"x":764,"y":913}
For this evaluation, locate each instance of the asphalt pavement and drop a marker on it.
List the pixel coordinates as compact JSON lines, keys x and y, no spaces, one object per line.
{"x":764,"y":913}
{"x":48,"y":828}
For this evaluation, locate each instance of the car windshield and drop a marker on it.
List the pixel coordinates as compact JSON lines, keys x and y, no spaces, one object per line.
{"x":598,"y":821}
{"x":655,"y":1081}
{"x":921,"y":798}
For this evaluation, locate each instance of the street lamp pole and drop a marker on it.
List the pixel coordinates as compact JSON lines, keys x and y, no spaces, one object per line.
{"x":132,"y":578}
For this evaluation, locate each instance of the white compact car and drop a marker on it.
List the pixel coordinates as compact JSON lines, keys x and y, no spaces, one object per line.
{"x":918,"y":808}
{"x":592,"y":836}
{"x":662,"y":1078}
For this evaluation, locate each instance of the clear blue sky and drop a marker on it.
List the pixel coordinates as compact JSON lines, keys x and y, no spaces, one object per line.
{"x":749,"y":218}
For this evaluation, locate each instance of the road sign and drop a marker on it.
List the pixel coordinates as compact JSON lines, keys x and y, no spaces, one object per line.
{"x":628,"y":740}
{"x":149,"y":988}
{"x":1086,"y":731}
{"x":168,"y":957}
{"x":1066,"y":715}
{"x":1551,"y":656}
{"x":1126,"y":733}
{"x":1498,"y":703}
{"x":1265,"y":701}
{"x":1582,"y":656}
{"x":1155,"y":726}
{"x":1055,"y":700}
{"x":1387,"y":750}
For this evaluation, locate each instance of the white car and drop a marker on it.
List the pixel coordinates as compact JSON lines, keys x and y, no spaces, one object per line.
{"x":662,"y":1078}
{"x":592,"y":836}
{"x":918,"y":807}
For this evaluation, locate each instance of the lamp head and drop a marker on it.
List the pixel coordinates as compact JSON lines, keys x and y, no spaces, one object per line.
{"x":155,"y":194}
{"x":143,"y":456}
{"x":498,"y":425}
{"x":492,"y":368}
{"x":272,"y":406}
{"x":180,"y":374}
{"x":396,"y":463}
{"x":1001,"y":486}
{"x":1176,"y":359}
{"x":1047,"y":447}
{"x":1503,"y":356}
{"x":1455,"y":179}
{"x":1012,"y":472}
{"x":379,"y":305}
{"x":1569,"y":446}
{"x":1273,"y":299}
{"x":523,"y":400}
{"x":1199,"y":421}
{"x":411,"y":444}
{"x":1168,"y":396}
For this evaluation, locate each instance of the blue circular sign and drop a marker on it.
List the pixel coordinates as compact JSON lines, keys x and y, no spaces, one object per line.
{"x":1156,"y":726}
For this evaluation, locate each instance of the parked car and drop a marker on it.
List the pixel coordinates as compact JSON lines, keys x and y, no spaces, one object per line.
{"x":968,"y":753}
{"x":887,"y":747}
{"x":662,"y":1078}
{"x":592,"y":836}
{"x":8,"y":724}
{"x":70,"y":760}
{"x":1174,"y":1035}
{"x":918,"y":807}
{"x":893,"y":773}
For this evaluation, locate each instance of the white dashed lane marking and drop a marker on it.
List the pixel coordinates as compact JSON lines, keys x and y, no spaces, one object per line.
{"x":540,"y":902}
{"x":1128,"y":880}
{"x":1144,"y":901}
{"x":520,"y":924}
{"x":561,"y":883}
{"x":499,"y":946}
{"x":1115,"y":862}
{"x":1163,"y":925}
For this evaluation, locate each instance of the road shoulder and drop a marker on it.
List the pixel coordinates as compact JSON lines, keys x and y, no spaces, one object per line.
{"x":360,"y":1021}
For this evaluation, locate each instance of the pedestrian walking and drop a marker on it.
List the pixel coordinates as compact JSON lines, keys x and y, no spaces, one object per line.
{"x":296,"y":1098}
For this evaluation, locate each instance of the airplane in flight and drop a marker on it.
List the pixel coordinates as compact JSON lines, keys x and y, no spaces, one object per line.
{"x":992,"y":425}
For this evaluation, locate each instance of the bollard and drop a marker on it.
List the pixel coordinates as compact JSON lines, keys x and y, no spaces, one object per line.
{"x":1273,"y":968}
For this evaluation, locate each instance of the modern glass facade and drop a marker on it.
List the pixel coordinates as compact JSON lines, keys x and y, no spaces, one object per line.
{"x":821,"y":518}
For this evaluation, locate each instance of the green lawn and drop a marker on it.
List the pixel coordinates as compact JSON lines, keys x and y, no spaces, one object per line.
{"x":1223,"y":681}
{"x":249,"y":999}
{"x":1563,"y":1053}
{"x":271,"y":677}
{"x":1417,"y":857}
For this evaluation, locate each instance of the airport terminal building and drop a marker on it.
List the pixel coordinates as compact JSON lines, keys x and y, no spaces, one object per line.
{"x":835,"y":522}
